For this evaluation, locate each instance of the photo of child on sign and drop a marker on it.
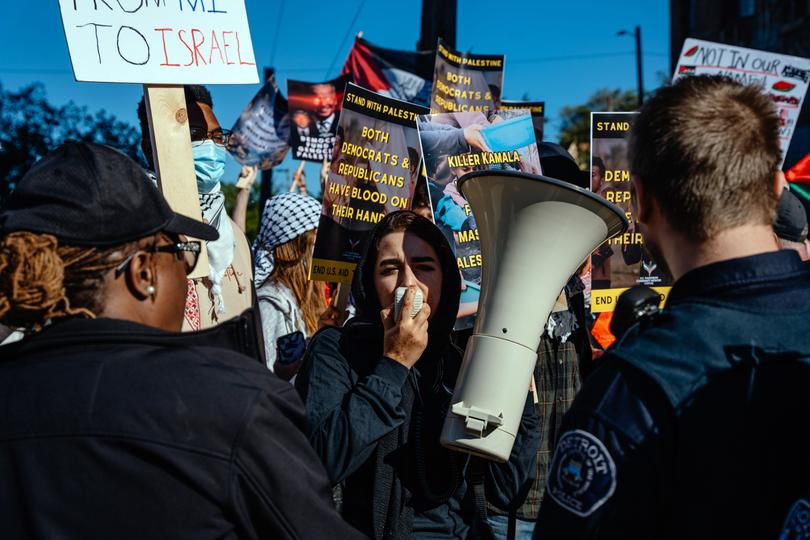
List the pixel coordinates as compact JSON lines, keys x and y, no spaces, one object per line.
{"x":454,"y":144}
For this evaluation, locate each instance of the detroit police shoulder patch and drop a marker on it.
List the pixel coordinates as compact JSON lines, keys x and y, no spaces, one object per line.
{"x":582,"y":475}
{"x":797,"y":524}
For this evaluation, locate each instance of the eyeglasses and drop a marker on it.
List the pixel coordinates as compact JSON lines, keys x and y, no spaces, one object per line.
{"x":199,"y":135}
{"x":187,"y":252}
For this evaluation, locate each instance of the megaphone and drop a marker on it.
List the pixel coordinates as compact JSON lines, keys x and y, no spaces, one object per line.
{"x":534,"y":233}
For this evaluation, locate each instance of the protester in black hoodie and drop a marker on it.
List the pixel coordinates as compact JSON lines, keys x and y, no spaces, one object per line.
{"x":377,"y":391}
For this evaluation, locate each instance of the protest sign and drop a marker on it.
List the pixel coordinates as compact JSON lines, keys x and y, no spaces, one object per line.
{"x":784,"y":78}
{"x":403,"y":75}
{"x":538,"y":110}
{"x":466,"y":82}
{"x":259,"y":137}
{"x":314,"y":110}
{"x":373,"y":172}
{"x":454,"y":144}
{"x":623,"y":261}
{"x":159,"y":41}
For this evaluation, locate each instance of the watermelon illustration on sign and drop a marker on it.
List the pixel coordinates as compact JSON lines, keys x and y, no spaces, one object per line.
{"x":686,"y":69}
{"x":692,"y":51}
{"x":783,"y":86}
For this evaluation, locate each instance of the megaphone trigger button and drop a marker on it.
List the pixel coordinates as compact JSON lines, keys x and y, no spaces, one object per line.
{"x":475,"y":425}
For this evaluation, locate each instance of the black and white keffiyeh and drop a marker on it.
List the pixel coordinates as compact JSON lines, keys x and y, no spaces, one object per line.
{"x":220,"y":251}
{"x":284,"y":217}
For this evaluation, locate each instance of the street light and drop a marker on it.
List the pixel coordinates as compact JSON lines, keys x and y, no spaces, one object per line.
{"x":638,"y":61}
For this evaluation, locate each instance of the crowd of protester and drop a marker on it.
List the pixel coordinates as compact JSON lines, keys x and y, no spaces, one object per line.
{"x":129,"y":408}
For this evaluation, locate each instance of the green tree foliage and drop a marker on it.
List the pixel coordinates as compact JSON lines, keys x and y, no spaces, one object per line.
{"x":30,"y":127}
{"x":575,"y":125}
{"x":252,"y":217}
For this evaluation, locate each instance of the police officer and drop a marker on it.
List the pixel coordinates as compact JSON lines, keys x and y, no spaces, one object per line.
{"x":695,"y":424}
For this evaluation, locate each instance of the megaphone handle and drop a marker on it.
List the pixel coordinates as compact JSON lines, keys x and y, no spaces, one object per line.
{"x":533,"y":390}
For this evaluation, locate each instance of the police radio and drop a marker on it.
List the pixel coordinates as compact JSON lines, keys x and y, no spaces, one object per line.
{"x":634,"y":305}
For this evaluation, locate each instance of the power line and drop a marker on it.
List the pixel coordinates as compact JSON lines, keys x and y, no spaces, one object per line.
{"x":275,"y":37}
{"x":314,"y":69}
{"x":578,"y":57}
{"x":346,"y":35}
{"x":35,"y":71}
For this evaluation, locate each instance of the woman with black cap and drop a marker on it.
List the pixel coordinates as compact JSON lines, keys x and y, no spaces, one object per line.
{"x":112,"y":423}
{"x":377,"y":391}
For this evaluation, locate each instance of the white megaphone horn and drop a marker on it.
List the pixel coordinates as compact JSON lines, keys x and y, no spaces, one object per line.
{"x":534,"y":233}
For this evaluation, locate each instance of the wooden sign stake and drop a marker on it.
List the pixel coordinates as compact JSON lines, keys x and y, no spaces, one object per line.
{"x":171,"y":150}
{"x":341,"y":301}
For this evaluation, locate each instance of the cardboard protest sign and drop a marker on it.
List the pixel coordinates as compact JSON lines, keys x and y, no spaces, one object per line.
{"x":159,"y":41}
{"x":623,"y":261}
{"x":314,"y":111}
{"x":374,"y":170}
{"x":454,"y":144}
{"x":466,"y":82}
{"x":404,"y":75}
{"x":259,"y":136}
{"x":784,"y":78}
{"x":538,"y":110}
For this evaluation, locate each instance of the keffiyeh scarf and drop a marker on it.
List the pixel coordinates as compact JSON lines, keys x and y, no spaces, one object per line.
{"x":284,"y":217}
{"x":220,"y":252}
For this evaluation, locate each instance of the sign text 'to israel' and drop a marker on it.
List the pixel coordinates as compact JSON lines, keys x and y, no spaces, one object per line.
{"x":159,"y":41}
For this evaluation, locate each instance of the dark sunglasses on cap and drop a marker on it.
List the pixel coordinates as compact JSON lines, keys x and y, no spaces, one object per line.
{"x":187,"y":252}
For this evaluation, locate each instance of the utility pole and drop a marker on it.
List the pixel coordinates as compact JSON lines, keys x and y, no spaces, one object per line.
{"x":266,"y":190}
{"x":438,"y":20}
{"x":638,"y":67}
{"x":638,"y":62}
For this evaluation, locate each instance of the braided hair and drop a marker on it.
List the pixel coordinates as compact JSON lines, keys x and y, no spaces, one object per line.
{"x":41,"y":280}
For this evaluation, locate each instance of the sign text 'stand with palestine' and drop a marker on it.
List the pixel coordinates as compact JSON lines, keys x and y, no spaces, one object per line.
{"x":623,"y":261}
{"x":374,"y":170}
{"x":159,"y":41}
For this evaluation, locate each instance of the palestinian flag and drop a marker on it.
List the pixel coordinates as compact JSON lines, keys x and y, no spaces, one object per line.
{"x":800,"y":172}
{"x":404,"y":75}
{"x":799,"y":178}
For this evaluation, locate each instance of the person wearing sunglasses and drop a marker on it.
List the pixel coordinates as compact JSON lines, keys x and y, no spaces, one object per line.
{"x":113,"y":424}
{"x":227,"y":290}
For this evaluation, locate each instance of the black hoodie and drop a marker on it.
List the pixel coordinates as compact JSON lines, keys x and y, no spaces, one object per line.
{"x":376,"y":424}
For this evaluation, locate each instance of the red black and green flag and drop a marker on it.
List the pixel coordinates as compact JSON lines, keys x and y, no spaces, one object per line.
{"x":403,"y":75}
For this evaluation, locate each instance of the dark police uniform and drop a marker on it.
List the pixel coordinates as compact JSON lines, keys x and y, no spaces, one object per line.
{"x":695,"y":426}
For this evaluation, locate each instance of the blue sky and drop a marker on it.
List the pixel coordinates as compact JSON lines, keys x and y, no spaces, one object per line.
{"x":559,"y":52}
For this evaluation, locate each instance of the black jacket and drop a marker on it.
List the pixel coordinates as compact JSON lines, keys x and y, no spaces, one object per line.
{"x":371,"y":418}
{"x":109,"y":429}
{"x":692,"y":425}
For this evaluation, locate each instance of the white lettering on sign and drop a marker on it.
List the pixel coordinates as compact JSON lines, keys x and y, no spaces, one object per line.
{"x":159,"y":41}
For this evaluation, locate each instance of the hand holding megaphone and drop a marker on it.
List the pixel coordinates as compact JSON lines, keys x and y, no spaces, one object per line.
{"x":406,"y":327}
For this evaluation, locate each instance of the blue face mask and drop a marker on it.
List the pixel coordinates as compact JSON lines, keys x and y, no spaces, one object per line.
{"x":209,"y":164}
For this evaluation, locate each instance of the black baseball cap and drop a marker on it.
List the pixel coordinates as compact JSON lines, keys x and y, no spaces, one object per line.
{"x":89,"y":194}
{"x":557,"y":163}
{"x":791,"y":218}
